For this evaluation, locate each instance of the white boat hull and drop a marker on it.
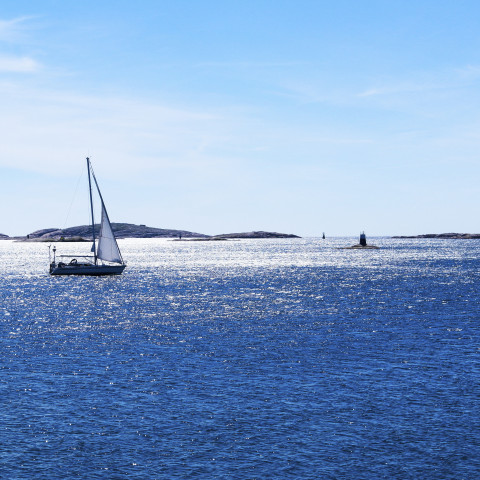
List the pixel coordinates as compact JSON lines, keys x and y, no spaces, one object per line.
{"x":82,"y":269}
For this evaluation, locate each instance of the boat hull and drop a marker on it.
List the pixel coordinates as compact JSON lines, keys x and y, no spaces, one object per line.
{"x":92,"y":270}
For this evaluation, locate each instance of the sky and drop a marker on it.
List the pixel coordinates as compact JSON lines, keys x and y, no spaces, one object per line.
{"x":293,"y":116}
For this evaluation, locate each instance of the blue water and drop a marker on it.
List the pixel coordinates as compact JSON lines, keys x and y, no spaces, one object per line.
{"x":261,"y":359}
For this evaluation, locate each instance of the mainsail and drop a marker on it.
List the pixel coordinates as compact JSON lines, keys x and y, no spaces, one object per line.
{"x":107,"y":248}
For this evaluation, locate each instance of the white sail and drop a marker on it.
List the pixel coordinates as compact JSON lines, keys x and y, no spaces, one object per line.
{"x":107,"y":248}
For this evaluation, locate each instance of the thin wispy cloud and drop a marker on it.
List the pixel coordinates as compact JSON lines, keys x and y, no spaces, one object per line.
{"x":18,"y":65}
{"x":13,"y":30}
{"x":249,"y":64}
{"x":62,"y":125}
{"x":428,"y":81}
{"x":469,"y":72}
{"x":399,"y":89}
{"x":374,"y":92}
{"x":304,"y":92}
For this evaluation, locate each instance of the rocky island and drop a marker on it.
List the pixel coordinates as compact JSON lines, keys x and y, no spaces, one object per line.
{"x":466,"y":236}
{"x":83,"y":233}
{"x":121,"y":230}
{"x":249,"y":235}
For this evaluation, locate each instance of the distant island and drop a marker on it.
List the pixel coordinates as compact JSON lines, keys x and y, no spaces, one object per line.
{"x":259,"y":234}
{"x":83,"y":233}
{"x":465,"y":236}
{"x":241,"y":236}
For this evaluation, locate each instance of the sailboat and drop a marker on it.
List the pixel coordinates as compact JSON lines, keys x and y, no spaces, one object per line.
{"x":106,"y":259}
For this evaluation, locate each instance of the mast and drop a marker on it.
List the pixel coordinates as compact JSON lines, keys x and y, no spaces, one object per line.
{"x":91,"y":209}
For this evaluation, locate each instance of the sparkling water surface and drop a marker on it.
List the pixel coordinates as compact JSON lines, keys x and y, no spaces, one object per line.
{"x":252,"y":359}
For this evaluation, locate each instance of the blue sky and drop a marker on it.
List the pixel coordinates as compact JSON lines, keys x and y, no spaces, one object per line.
{"x":223,"y":116}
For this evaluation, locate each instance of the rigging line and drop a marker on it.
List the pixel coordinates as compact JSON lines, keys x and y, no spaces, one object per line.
{"x":73,"y":198}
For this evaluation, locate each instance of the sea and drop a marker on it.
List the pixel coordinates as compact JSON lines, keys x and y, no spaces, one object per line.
{"x":249,"y":359}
